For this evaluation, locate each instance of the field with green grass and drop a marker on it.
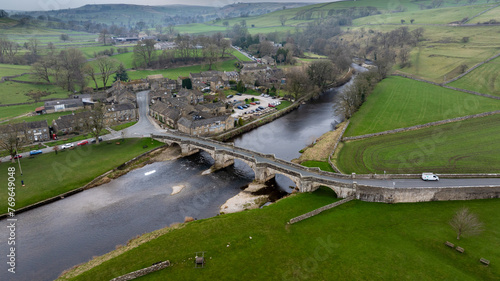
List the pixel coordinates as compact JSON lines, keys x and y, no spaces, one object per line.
{"x":399,"y":102}
{"x":325,"y":166}
{"x":471,"y":146}
{"x":483,"y":79}
{"x":50,"y":174}
{"x":493,"y":14}
{"x":10,"y":69}
{"x":12,"y":92}
{"x":9,"y":112}
{"x":436,"y":16}
{"x":49,"y":117}
{"x":355,"y":241}
{"x":124,"y":126}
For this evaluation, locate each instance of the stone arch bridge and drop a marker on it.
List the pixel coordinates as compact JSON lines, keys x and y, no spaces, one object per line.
{"x":265,"y":166}
{"x":372,"y":188}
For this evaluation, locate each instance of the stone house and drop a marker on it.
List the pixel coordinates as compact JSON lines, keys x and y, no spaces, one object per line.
{"x":70,"y":123}
{"x":119,"y":113}
{"x":193,"y":96}
{"x":35,"y":131}
{"x":253,"y":69}
{"x":205,"y":126}
{"x":63,"y":105}
{"x":268,"y":60}
{"x":120,"y":93}
{"x":165,"y":114}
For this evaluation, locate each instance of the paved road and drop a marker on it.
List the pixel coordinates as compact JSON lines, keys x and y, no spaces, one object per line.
{"x":397,"y":183}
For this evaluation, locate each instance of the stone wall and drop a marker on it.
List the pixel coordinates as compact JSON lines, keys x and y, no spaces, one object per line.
{"x":319,"y":210}
{"x":142,"y":272}
{"x":335,"y":148}
{"x":417,"y":127}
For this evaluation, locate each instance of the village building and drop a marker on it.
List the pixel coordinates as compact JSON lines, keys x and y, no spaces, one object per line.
{"x":120,"y":113}
{"x":35,"y":131}
{"x":63,"y":105}
{"x":205,"y":126}
{"x":70,"y":123}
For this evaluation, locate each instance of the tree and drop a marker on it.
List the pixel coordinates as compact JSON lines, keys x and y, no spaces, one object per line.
{"x":322,"y":73}
{"x":418,"y":33}
{"x":283,"y":19}
{"x":211,"y":54}
{"x":144,"y":53}
{"x":56,"y":149}
{"x":3,"y":14}
{"x":240,"y":88}
{"x":13,"y":137}
{"x":412,"y":20}
{"x":159,"y":28}
{"x":224,"y":46}
{"x":186,"y":83}
{"x":121,"y":74}
{"x":106,"y":66}
{"x":465,"y":223}
{"x":90,"y":71}
{"x":42,"y":69}
{"x":95,"y":121}
{"x":103,"y":36}
{"x":69,"y":70}
{"x":404,"y":57}
{"x":266,"y":48}
{"x":140,"y":25}
{"x":297,"y":82}
{"x":403,"y":21}
{"x":349,"y":101}
{"x":64,"y":37}
{"x":37,"y":96}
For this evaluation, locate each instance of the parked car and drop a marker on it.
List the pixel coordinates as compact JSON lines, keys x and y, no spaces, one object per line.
{"x":246,"y":106}
{"x":238,"y":94}
{"x":261,"y":107}
{"x":240,"y":107}
{"x":257,"y":102}
{"x":93,"y":140}
{"x":83,"y":142}
{"x":16,"y":156}
{"x":429,"y":177}
{"x":271,"y":105}
{"x":253,"y":103}
{"x":35,"y":152}
{"x":230,"y":96}
{"x":68,"y":145}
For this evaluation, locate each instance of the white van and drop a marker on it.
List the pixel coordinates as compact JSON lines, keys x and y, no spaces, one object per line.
{"x":429,"y":177}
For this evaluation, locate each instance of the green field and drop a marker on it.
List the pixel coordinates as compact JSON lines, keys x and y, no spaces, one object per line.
{"x":49,"y":117}
{"x":483,"y":79}
{"x":355,"y":241}
{"x":12,"y":92}
{"x":398,"y":102}
{"x":49,"y":175}
{"x":10,"y":69}
{"x":325,"y":166}
{"x":439,"y":16}
{"x":471,"y":146}
{"x":13,"y":111}
{"x":123,"y":126}
{"x":491,"y":14}
{"x":174,"y":73}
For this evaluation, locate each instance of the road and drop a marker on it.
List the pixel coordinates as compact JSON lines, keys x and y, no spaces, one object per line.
{"x":397,"y":183}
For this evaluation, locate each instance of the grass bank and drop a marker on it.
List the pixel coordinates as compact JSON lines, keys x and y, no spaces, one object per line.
{"x":51,"y":174}
{"x":471,"y":146}
{"x":398,"y":102}
{"x":355,"y":241}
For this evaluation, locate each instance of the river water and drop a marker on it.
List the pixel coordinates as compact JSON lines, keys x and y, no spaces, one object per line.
{"x":62,"y":234}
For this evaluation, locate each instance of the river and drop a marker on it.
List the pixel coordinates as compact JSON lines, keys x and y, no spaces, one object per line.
{"x":57,"y":236}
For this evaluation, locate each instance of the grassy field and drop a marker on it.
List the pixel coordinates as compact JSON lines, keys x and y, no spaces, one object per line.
{"x":174,"y":73}
{"x":355,"y":241}
{"x":10,"y":69}
{"x":471,"y":146}
{"x":325,"y":166}
{"x":13,"y":111}
{"x":12,"y":92}
{"x":439,"y":16}
{"x":398,"y":102}
{"x":483,"y":79}
{"x":48,"y":175}
{"x":123,"y":126}
{"x":491,"y":14}
{"x":49,"y":117}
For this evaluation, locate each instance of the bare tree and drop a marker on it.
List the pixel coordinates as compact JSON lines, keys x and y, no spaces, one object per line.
{"x":95,"y":121}
{"x":283,"y":19}
{"x":13,"y":137}
{"x":322,"y":73}
{"x":297,"y":82}
{"x":404,"y":57}
{"x":144,"y":52}
{"x":70,"y":64}
{"x":211,"y":54}
{"x":106,"y":66}
{"x":349,"y":101}
{"x":37,"y":95}
{"x":90,"y":71}
{"x":42,"y":69}
{"x":266,"y":48}
{"x":103,"y":36}
{"x":465,"y":223}
{"x":224,"y":46}
{"x":418,"y":33}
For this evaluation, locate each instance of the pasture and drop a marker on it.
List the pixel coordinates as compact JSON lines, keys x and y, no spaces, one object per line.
{"x":355,"y":241}
{"x":483,"y":79}
{"x":398,"y":102}
{"x":471,"y":146}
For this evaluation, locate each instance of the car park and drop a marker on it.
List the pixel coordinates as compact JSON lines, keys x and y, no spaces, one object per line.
{"x":35,"y":152}
{"x":68,"y":145}
{"x":83,"y":142}
{"x":253,"y":103}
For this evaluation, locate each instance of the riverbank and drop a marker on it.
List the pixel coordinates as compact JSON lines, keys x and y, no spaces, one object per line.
{"x":245,"y":200}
